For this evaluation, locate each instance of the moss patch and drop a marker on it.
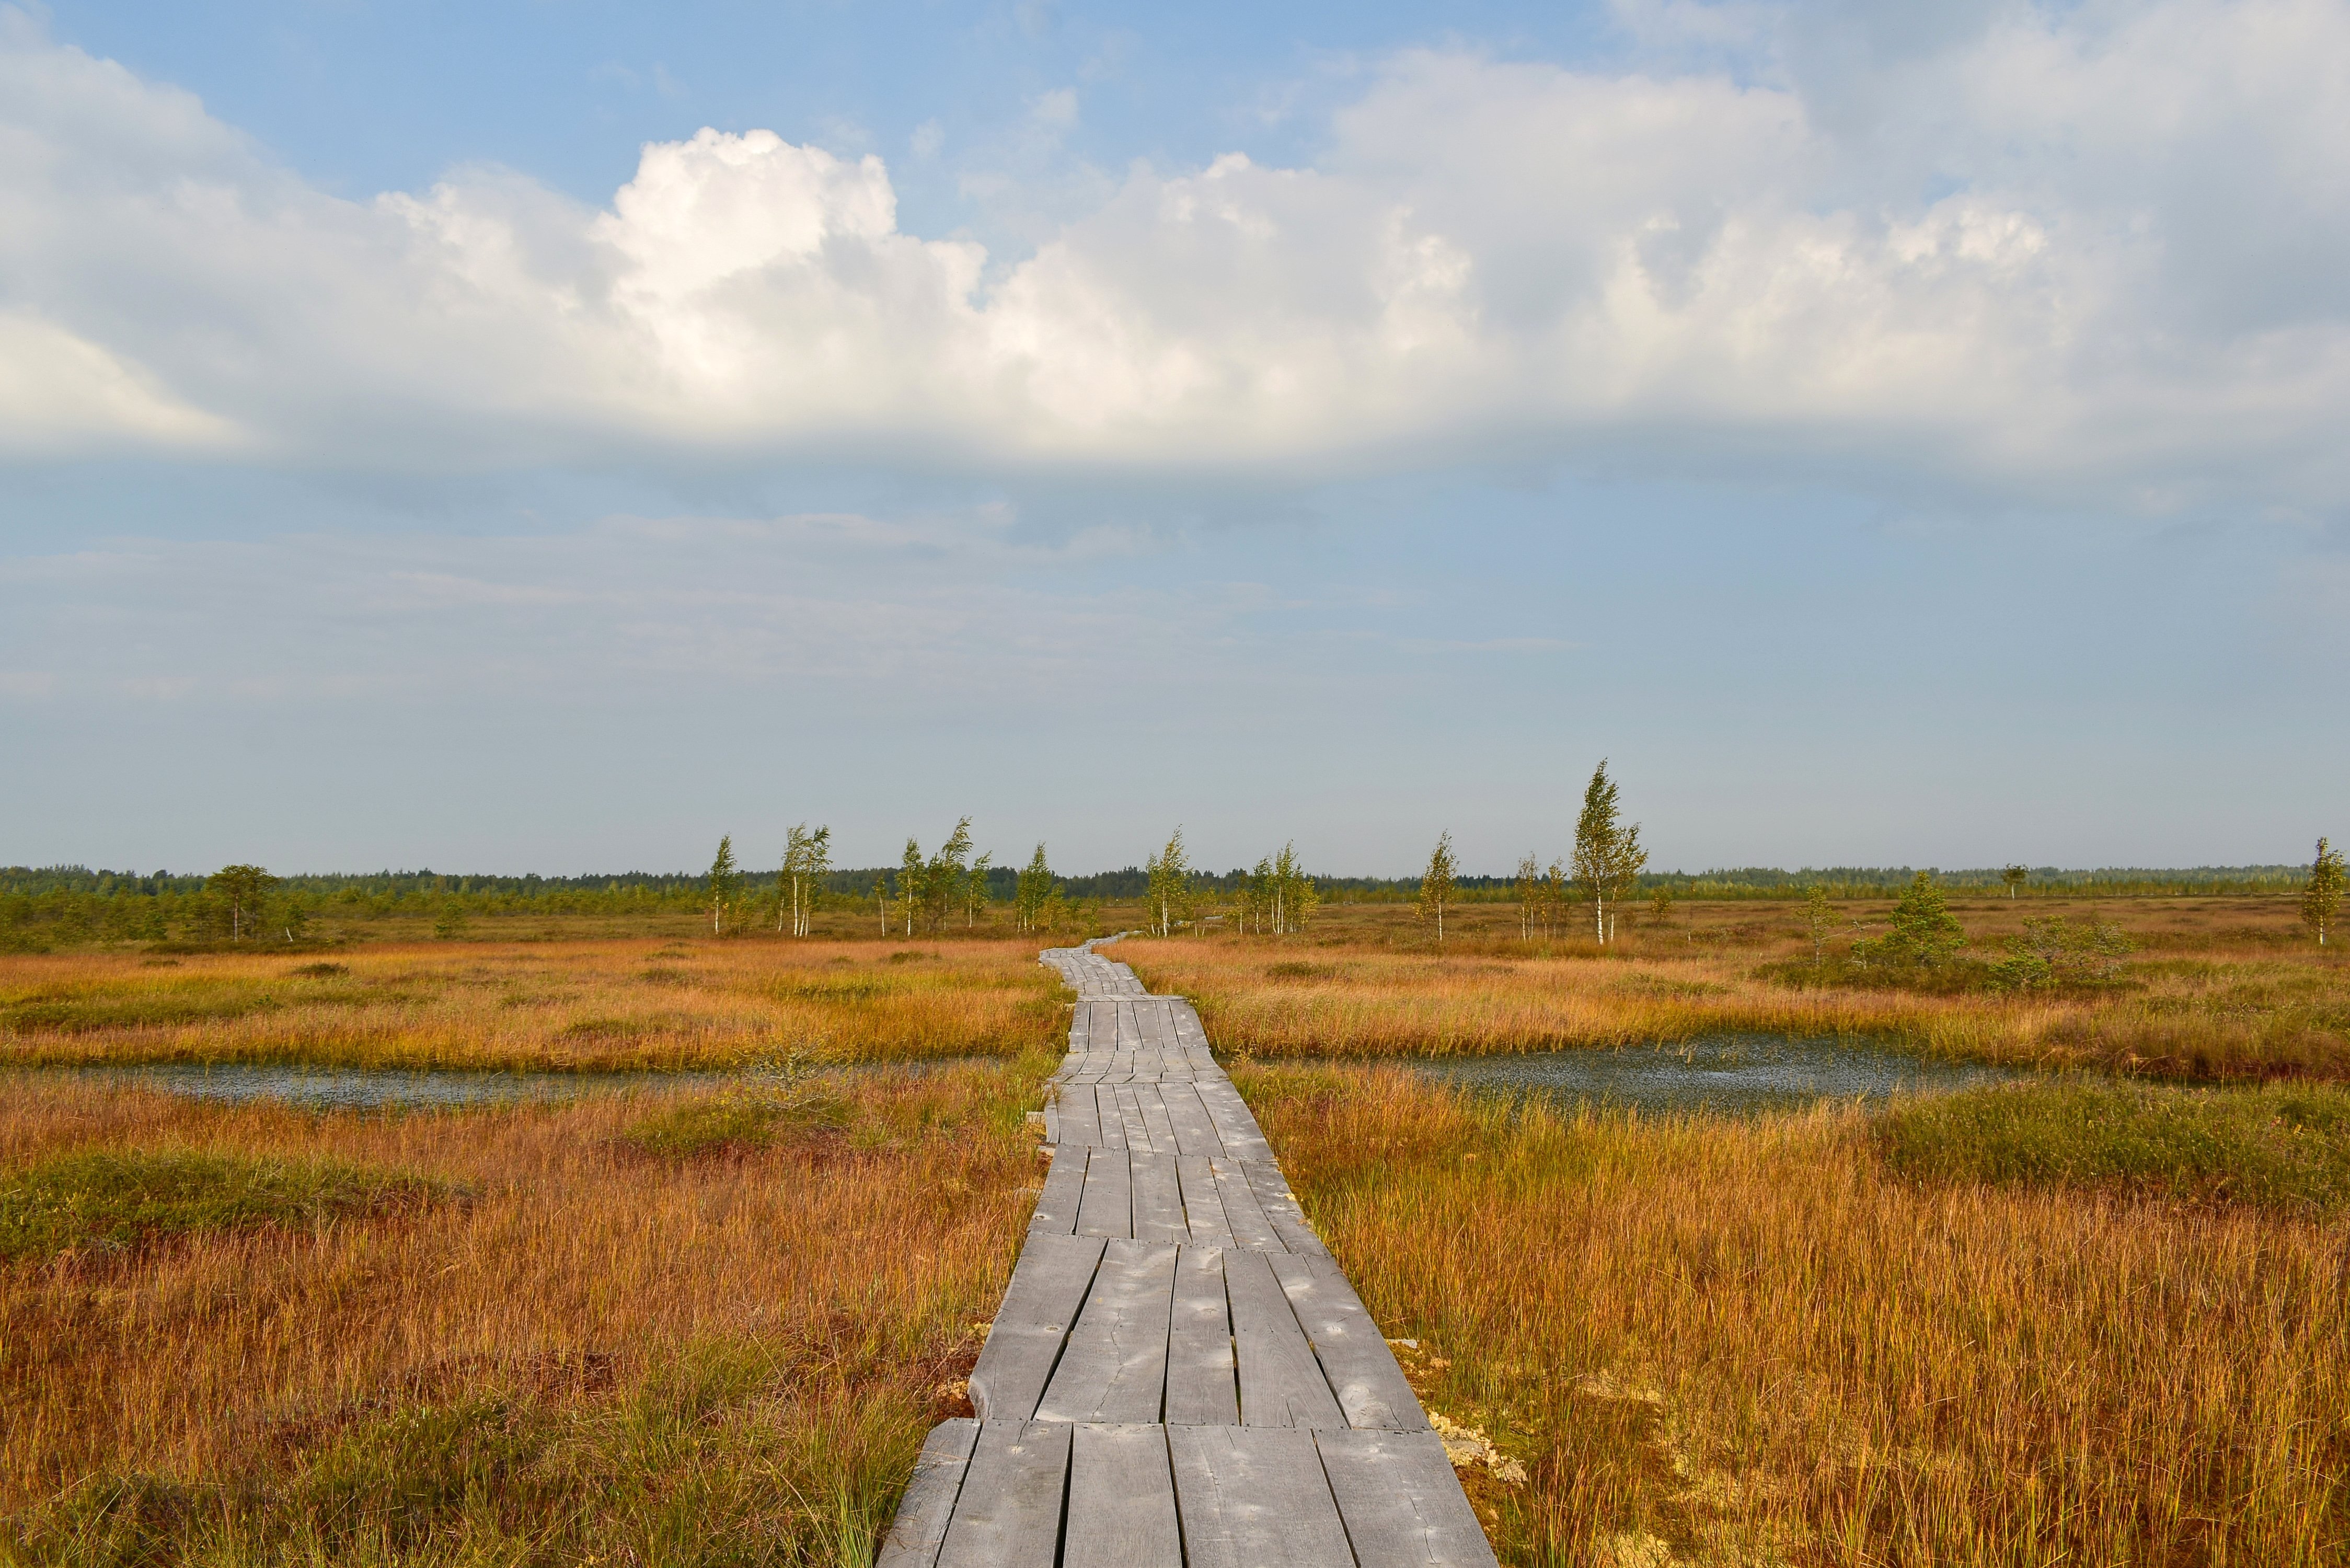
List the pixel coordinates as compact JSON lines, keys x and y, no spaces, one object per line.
{"x":119,"y":1199}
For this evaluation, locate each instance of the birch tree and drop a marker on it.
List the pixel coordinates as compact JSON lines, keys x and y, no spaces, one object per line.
{"x":1295,"y":896}
{"x":1169,"y":885}
{"x":2015,"y":877}
{"x":1030,"y":890}
{"x":2321,"y":899}
{"x":881,"y":898}
{"x":245,"y":887}
{"x":910,"y":881}
{"x":1819,"y":919}
{"x":1436,"y":884}
{"x":1255,"y":898}
{"x":725,"y":885}
{"x":944,"y":877}
{"x":1530,"y":896}
{"x":807,"y":856}
{"x":975,"y":894}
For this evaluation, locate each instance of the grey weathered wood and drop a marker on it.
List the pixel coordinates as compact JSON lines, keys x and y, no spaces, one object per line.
{"x":1202,"y":1389}
{"x":1113,"y":1125}
{"x":930,"y":1500}
{"x":1158,"y":1199}
{"x":1281,"y":1208}
{"x":1115,"y":1367}
{"x":1056,"y":1205}
{"x":1195,"y":1130}
{"x":1253,"y":1497}
{"x":1108,"y":1206}
{"x":1079,"y":1123}
{"x":1129,"y":1111}
{"x":1152,"y":1099}
{"x":1281,"y":1384}
{"x":1121,"y":1500}
{"x":1047,"y":1287}
{"x":1402,"y":1505}
{"x":1203,"y":1205}
{"x":1242,"y":1211}
{"x":1355,"y":1361}
{"x":1009,"y":1515}
{"x":1242,"y":1139}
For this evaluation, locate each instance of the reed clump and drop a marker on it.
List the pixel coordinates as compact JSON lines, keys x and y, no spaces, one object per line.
{"x":598,"y":1355}
{"x":589,"y":1005}
{"x":2231,"y":1013}
{"x":1713,"y":1340}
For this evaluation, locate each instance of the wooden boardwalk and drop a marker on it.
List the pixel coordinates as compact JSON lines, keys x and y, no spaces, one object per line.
{"x":1179,"y":1373}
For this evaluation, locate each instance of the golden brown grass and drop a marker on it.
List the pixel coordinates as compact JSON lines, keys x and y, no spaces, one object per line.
{"x":586,"y":1352}
{"x":1724,"y":1342}
{"x":2215,"y":993}
{"x":571,"y":1005}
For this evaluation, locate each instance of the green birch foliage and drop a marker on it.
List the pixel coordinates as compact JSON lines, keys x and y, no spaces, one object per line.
{"x":943,"y":877}
{"x":1529,"y":887}
{"x":1170,"y":893}
{"x":909,"y":882}
{"x":1294,"y":898}
{"x":1819,"y":919}
{"x":2321,"y":900}
{"x":975,"y":894}
{"x":1436,"y":883}
{"x":243,"y":888}
{"x":1596,"y":830}
{"x":725,"y":885}
{"x":1030,"y":890}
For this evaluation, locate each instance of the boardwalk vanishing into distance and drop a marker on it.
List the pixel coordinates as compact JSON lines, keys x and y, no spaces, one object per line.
{"x":1179,"y":1373}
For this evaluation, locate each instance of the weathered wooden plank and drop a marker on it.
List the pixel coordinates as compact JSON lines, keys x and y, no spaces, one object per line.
{"x":1355,"y":1361}
{"x":929,"y":1503}
{"x":1195,"y":1130}
{"x":1057,"y":1206}
{"x":1402,"y":1505}
{"x":1009,"y":1515}
{"x":1108,"y":1207}
{"x":1201,"y":1387}
{"x":1048,"y":1285}
{"x":1114,"y":1368}
{"x":1242,"y":1211}
{"x":1158,"y":1199}
{"x":1129,"y":1115}
{"x":1203,"y":1205}
{"x":1121,"y":1500}
{"x":1254,"y":1498}
{"x":1079,"y":1122}
{"x":1112,"y":1125}
{"x":1234,"y":1123}
{"x":1152,"y":1099}
{"x":1280,"y":1206}
{"x":1281,"y":1384}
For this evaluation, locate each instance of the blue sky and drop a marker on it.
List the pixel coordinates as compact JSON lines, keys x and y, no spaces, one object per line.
{"x":543,"y":437}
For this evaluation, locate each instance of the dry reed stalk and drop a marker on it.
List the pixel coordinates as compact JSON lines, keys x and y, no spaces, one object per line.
{"x":2211,"y":1018}
{"x":574,"y":1005}
{"x":1720,"y":1341}
{"x":849,"y":1266}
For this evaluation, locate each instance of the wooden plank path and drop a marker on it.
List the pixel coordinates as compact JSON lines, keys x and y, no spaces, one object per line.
{"x":1179,"y":1373}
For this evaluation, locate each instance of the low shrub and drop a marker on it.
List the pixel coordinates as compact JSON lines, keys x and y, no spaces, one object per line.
{"x":119,"y":1199}
{"x":2268,"y":1147}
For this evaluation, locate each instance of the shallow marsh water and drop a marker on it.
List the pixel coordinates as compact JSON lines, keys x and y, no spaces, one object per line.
{"x":1724,"y":1073}
{"x":375,"y":1088}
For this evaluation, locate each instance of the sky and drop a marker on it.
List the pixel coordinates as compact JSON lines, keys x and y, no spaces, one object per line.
{"x":544,"y":436}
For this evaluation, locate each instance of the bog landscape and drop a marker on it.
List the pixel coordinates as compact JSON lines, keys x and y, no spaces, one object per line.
{"x":1845,"y":1217}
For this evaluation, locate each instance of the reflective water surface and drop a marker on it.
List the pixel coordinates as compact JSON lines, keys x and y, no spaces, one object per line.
{"x":1727,"y":1074}
{"x":338,"y":1089}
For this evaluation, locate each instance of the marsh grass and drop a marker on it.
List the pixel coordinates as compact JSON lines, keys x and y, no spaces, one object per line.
{"x":605,"y":1005}
{"x":2284,"y":1148}
{"x":117,"y":1199}
{"x":2227,"y":1011}
{"x":1716,"y":1341}
{"x":599,"y":1357}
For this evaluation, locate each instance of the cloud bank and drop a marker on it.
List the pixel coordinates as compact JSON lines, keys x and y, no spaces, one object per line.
{"x":2093,"y":254}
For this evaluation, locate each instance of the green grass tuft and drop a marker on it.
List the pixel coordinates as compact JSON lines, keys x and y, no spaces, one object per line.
{"x":730,"y":1124}
{"x":2280,"y":1148}
{"x":119,"y":1199}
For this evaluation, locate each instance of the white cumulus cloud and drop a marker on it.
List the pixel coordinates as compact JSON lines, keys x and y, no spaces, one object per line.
{"x":2092,"y":254}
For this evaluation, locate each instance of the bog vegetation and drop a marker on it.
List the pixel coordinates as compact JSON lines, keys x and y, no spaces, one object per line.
{"x":2095,"y":1318}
